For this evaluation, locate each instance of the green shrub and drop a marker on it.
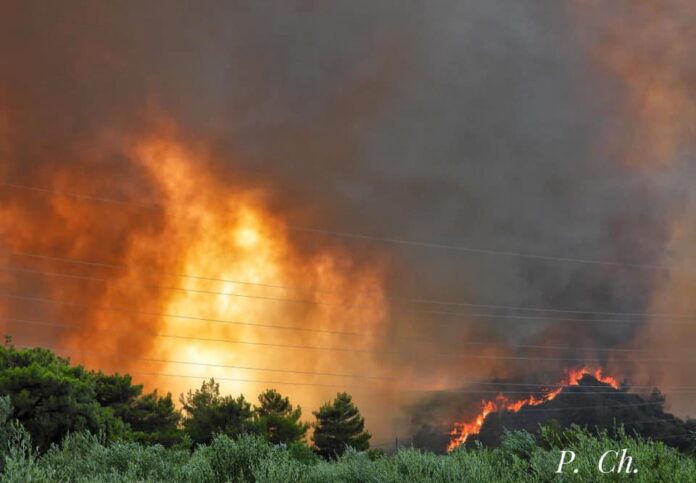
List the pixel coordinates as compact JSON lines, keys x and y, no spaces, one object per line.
{"x":237,"y":459}
{"x":12,"y":434}
{"x":279,"y":467}
{"x":82,"y":457}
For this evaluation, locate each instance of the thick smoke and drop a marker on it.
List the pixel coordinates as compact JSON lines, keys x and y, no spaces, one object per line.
{"x":516,"y":127}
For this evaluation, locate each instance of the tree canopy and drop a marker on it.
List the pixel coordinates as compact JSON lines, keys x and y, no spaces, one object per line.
{"x":208,"y":413}
{"x":152,"y":418}
{"x":339,"y":425}
{"x":277,"y":420}
{"x":50,"y":397}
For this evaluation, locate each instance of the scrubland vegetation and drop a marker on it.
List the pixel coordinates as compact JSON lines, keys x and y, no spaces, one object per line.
{"x":60,"y":423}
{"x":82,"y":457}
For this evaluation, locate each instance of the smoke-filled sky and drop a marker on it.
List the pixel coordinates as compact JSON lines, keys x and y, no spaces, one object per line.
{"x":153,"y":155}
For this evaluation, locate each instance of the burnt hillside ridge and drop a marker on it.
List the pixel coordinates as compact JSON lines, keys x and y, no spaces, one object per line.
{"x":591,"y":404}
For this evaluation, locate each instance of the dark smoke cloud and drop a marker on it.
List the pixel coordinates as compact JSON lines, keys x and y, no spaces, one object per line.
{"x":469,"y":123}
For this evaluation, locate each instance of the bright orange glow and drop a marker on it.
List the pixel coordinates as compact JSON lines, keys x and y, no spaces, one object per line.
{"x":463,"y":429}
{"x":226,"y":233}
{"x":248,"y":274}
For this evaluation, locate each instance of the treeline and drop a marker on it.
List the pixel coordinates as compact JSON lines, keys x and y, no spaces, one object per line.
{"x":51,"y":398}
{"x":63,"y":423}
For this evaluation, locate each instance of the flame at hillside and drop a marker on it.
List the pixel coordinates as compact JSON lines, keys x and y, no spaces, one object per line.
{"x":464,"y":429}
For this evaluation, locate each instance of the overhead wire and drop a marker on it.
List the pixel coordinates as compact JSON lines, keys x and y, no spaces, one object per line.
{"x":540,"y":387}
{"x":397,"y":298}
{"x":359,"y":236}
{"x":342,"y":349}
{"x":16,"y":269}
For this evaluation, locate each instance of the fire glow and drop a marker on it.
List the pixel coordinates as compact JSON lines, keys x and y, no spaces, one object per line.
{"x":230,"y":235}
{"x":463,"y":429}
{"x":210,"y":277}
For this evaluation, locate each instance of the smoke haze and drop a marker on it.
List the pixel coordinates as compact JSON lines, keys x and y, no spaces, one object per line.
{"x":240,"y":134}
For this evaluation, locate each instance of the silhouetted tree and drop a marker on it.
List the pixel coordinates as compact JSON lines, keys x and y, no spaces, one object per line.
{"x":50,"y":398}
{"x":152,"y":418}
{"x":657,"y":397}
{"x":208,"y":413}
{"x":338,"y":426}
{"x":277,"y":420}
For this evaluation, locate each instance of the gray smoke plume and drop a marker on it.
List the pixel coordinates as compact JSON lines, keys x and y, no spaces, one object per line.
{"x":468,"y":124}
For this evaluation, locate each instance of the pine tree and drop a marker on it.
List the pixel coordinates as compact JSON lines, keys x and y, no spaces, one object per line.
{"x":277,"y":420}
{"x":208,"y":413}
{"x":338,"y":426}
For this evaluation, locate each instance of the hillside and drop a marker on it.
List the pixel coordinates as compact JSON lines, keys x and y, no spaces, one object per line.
{"x":590,"y":404}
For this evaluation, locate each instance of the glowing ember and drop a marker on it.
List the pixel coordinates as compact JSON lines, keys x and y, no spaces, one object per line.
{"x":463,"y":429}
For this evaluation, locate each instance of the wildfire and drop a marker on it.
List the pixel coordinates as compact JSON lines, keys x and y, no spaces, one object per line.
{"x":229,"y":234}
{"x":212,"y":280}
{"x":463,"y":429}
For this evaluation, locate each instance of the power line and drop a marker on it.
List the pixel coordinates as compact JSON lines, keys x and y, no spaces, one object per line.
{"x":682,"y":389}
{"x":373,"y":238}
{"x":530,"y":318}
{"x":80,"y":196}
{"x":552,"y":385}
{"x":538,"y":386}
{"x":166,"y":315}
{"x":296,"y":328}
{"x":191,"y":376}
{"x":182,"y":337}
{"x":602,"y":425}
{"x":276,"y":299}
{"x":578,"y":408}
{"x":393,"y":298}
{"x":545,"y":389}
{"x":165,"y":287}
{"x":234,"y":379}
{"x":224,"y":366}
{"x":481,"y":251}
{"x":92,"y":263}
{"x":649,"y":421}
{"x":392,"y":241}
{"x":341,"y":349}
{"x":206,"y":377}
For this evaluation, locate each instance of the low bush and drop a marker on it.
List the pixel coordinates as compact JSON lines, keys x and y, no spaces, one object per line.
{"x":82,"y":457}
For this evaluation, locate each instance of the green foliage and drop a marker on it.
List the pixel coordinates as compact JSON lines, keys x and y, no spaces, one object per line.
{"x":518,"y":443}
{"x":50,"y":413}
{"x":552,"y":435}
{"x":207,"y":413}
{"x":302,"y":453}
{"x":50,"y":398}
{"x":85,"y":458}
{"x":277,"y":420}
{"x":237,"y":459}
{"x":279,"y":467}
{"x":152,"y":419}
{"x":12,"y":434}
{"x":339,"y":425}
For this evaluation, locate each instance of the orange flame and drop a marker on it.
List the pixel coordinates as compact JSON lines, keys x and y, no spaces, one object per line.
{"x":208,"y":264}
{"x":229,"y":234}
{"x":463,"y":429}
